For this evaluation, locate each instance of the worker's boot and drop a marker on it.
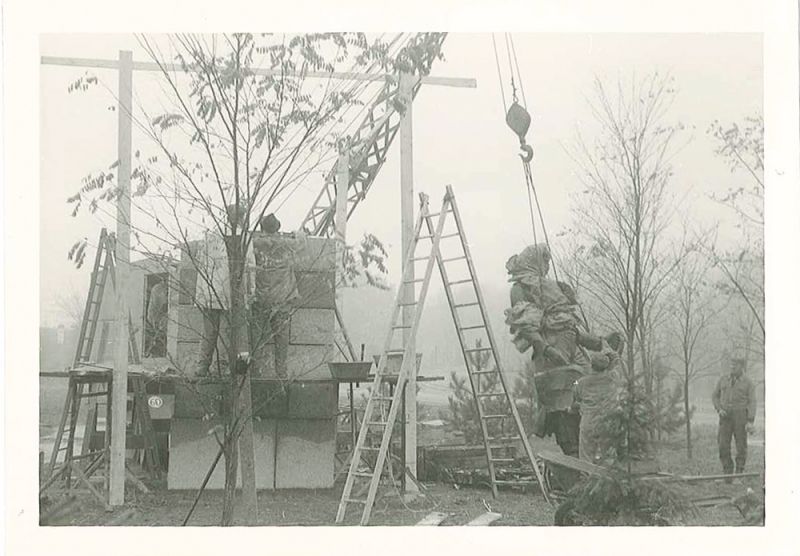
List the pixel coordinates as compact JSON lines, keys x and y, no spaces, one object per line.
{"x":727,"y":470}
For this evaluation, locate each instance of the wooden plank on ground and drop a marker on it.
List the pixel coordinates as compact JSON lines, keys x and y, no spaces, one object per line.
{"x":485,"y":519}
{"x":433,"y":518}
{"x":121,"y":517}
{"x":573,"y":463}
{"x":711,"y":501}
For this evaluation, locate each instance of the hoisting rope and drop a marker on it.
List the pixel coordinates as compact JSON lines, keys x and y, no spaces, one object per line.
{"x":518,"y":119}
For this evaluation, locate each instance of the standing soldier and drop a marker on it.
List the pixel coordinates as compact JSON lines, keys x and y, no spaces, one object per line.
{"x":593,"y":396}
{"x":734,"y":398}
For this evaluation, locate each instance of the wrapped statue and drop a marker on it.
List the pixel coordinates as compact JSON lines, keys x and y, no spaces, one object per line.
{"x":545,"y":317}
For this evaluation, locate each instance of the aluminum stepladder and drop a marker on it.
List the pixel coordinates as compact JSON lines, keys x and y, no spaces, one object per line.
{"x":378,"y":400}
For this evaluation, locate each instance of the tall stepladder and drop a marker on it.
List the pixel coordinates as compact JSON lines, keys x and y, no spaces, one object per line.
{"x":368,"y":461}
{"x":475,"y":337}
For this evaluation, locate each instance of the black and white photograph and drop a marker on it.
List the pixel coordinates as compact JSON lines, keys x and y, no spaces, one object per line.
{"x":500,"y":277}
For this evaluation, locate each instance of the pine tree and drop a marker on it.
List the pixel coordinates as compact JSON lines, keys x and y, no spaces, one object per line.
{"x":462,"y":414}
{"x":622,"y":497}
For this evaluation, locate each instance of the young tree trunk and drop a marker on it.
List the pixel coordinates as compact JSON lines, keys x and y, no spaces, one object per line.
{"x":239,"y":344}
{"x":630,"y":354}
{"x":231,"y":465}
{"x":240,"y":429}
{"x":686,"y":412}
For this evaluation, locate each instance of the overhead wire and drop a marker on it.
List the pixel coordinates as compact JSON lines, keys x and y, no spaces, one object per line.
{"x":499,"y":75}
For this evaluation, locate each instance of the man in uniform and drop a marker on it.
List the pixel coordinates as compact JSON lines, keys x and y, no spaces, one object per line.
{"x":593,"y":395}
{"x":734,"y":399}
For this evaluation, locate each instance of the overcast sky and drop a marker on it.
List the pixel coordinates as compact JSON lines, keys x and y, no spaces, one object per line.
{"x":460,"y":137}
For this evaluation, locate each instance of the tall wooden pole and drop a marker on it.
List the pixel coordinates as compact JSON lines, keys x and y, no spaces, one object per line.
{"x":119,"y":398}
{"x":407,"y":236}
{"x":340,"y":221}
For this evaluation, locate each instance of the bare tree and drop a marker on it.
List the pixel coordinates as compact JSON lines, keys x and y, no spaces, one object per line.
{"x":694,"y":308}
{"x":227,"y":145}
{"x":742,"y":146}
{"x":71,"y":303}
{"x":624,"y":215}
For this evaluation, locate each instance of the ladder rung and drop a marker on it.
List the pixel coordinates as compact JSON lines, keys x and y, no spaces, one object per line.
{"x":501,"y":460}
{"x":521,"y":483}
{"x":475,"y":327}
{"x":479,"y":349}
{"x":490,"y":371}
{"x":502,"y":438}
{"x":90,"y":454}
{"x":455,"y":234}
{"x":424,"y":237}
{"x":460,"y":282}
{"x":415,"y":259}
{"x":457,"y":305}
{"x":503,"y":416}
{"x":414,"y":281}
{"x":383,"y":398}
{"x":454,"y":259}
{"x":379,"y":423}
{"x":484,"y":395}
{"x":395,"y":327}
{"x":362,"y":474}
{"x":408,"y":304}
{"x":94,"y":394}
{"x":355,"y":501}
{"x":370,"y":449}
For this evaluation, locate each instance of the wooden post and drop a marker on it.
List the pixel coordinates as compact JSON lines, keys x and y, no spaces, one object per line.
{"x":340,"y":222}
{"x":119,"y":399}
{"x":407,"y":236}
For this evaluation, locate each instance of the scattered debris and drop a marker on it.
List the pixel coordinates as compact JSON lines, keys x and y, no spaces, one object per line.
{"x":433,"y":518}
{"x":485,"y":519}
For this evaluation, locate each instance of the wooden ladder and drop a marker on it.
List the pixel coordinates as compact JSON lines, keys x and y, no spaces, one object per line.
{"x":103,"y":270}
{"x":487,"y":383}
{"x":381,"y":411}
{"x":486,"y":377}
{"x":96,"y":386}
{"x":81,"y":386}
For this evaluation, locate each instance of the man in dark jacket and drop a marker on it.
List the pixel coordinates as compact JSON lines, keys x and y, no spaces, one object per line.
{"x":734,"y":398}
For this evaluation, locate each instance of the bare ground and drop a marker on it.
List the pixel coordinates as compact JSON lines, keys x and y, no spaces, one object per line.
{"x":318,"y":507}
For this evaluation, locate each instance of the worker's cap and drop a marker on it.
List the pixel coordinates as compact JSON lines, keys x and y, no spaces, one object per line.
{"x":270,"y":224}
{"x":600,"y":362}
{"x":236,"y":214}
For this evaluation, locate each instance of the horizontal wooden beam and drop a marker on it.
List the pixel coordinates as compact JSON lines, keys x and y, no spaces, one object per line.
{"x":96,"y":63}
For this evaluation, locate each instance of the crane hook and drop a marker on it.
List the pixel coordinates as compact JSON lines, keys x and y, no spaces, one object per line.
{"x":527,"y":152}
